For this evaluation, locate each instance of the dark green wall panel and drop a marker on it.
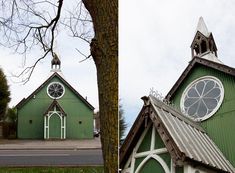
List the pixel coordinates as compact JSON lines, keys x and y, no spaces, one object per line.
{"x":152,"y":165}
{"x":79,"y":118}
{"x":145,"y":144}
{"x":158,"y":141}
{"x":220,"y":127}
{"x":55,"y":127}
{"x":138,"y":161}
{"x":167,"y":158}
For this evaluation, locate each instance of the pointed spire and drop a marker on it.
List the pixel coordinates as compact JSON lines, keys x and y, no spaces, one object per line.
{"x":201,"y":27}
{"x":203,"y":44}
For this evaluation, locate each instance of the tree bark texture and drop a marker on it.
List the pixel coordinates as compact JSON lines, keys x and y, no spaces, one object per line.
{"x":104,"y":50}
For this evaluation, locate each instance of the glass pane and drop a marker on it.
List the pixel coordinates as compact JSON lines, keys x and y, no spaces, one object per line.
{"x":188,"y":102}
{"x":200,"y":86}
{"x":209,"y":85}
{"x":215,"y":92}
{"x":210,"y":103}
{"x":192,"y":93}
{"x":202,"y":109}
{"x":193,"y":109}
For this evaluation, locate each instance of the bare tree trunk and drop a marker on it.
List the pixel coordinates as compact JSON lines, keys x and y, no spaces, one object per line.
{"x":104,"y":50}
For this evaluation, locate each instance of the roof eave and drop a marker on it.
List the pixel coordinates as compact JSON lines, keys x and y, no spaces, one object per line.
{"x":197,"y":163}
{"x":131,"y":138}
{"x":177,"y":152}
{"x":192,"y":63}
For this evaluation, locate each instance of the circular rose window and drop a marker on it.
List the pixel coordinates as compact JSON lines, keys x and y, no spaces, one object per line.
{"x":202,"y":98}
{"x":55,"y":90}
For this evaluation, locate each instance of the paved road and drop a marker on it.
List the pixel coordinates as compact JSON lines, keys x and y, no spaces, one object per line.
{"x":50,"y":157}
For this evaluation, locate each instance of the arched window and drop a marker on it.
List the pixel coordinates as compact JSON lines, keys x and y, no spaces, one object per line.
{"x":196,"y":49}
{"x":203,"y":46}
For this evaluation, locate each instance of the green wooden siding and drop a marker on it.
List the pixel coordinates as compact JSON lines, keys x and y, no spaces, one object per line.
{"x":33,"y":110}
{"x":158,"y":141}
{"x":220,"y":127}
{"x":167,"y":158}
{"x":55,"y":126}
{"x":138,"y":161}
{"x":151,"y":165}
{"x":145,"y":144}
{"x":179,"y":170}
{"x":79,"y":118}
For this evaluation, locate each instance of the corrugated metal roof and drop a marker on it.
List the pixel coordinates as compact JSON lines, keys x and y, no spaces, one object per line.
{"x":190,"y":138}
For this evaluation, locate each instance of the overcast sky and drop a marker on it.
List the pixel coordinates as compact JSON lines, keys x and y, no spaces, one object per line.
{"x":154,"y":49}
{"x":82,"y":76}
{"x":154,"y":43}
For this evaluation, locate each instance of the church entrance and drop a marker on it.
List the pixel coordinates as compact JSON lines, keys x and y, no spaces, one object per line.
{"x":55,"y":122}
{"x":55,"y":126}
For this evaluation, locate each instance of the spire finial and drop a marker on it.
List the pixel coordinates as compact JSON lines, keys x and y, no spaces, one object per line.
{"x":55,"y":63}
{"x":201,"y":27}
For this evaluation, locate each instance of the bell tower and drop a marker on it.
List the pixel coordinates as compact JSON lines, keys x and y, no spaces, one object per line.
{"x":203,"y":44}
{"x":55,"y":63}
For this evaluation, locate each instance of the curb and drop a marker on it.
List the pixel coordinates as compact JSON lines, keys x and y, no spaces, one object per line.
{"x":52,"y":166}
{"x":54,"y":148}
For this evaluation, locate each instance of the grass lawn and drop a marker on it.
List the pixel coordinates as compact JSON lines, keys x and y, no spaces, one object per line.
{"x":98,"y":169}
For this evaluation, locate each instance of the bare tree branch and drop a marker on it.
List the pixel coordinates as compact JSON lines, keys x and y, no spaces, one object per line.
{"x":25,"y":24}
{"x":29,"y":70}
{"x":86,"y":57}
{"x":23,"y":27}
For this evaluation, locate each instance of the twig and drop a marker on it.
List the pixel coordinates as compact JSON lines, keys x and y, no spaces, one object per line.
{"x":86,"y":57}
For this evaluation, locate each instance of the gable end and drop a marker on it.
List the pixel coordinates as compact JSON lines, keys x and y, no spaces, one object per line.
{"x":25,"y":100}
{"x":192,"y":63}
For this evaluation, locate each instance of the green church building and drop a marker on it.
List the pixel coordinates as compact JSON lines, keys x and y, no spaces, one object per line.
{"x":192,"y":129}
{"x":55,"y":110}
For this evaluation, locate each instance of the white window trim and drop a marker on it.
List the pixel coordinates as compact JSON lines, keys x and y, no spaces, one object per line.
{"x":62,"y":123}
{"x":151,"y":154}
{"x":218,"y":105}
{"x":158,"y":159}
{"x":52,"y":84}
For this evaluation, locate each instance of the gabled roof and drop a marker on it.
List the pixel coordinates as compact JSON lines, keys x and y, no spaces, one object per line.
{"x":191,"y":65}
{"x":23,"y":101}
{"x":53,"y":105}
{"x":185,"y":140}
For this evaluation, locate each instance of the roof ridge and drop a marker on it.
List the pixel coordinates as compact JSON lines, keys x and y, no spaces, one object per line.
{"x":175,"y":112}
